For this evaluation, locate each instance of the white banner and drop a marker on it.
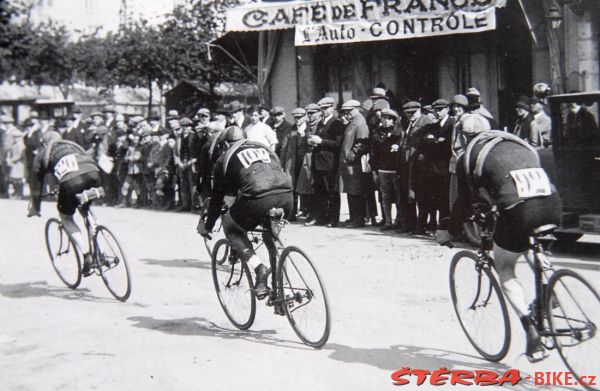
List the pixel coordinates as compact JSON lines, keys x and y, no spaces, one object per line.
{"x":285,"y":15}
{"x":411,"y":26}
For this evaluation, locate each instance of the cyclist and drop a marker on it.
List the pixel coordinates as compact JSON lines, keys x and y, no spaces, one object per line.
{"x":75,"y":172}
{"x":504,"y":171}
{"x":253,"y":172}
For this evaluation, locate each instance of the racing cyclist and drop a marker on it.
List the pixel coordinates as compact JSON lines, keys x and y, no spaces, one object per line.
{"x":251,"y":172}
{"x":505,"y":172}
{"x":75,"y":172}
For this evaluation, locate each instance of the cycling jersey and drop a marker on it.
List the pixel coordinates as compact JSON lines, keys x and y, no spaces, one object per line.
{"x":249,"y":170}
{"x":73,"y":169}
{"x":511,"y":178}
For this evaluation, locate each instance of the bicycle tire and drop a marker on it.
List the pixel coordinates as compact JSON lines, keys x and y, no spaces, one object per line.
{"x":300,"y":287}
{"x":476,"y":297}
{"x":233,"y":285}
{"x":72,"y":277}
{"x":573,"y":312}
{"x":113,"y":266}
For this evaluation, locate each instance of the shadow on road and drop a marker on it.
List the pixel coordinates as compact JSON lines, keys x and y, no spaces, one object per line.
{"x":202,"y":327}
{"x":416,"y":357}
{"x":182,"y":263}
{"x":41,"y":288}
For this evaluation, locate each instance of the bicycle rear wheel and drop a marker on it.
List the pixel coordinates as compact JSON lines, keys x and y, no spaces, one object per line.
{"x":573,"y":308}
{"x":304,"y":297}
{"x":112,"y":264}
{"x":479,"y":306}
{"x":233,"y":284}
{"x":63,"y":254}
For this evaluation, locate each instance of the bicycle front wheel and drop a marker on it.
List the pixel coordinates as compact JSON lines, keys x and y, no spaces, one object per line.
{"x":479,"y":306}
{"x":112,"y":264}
{"x":573,"y":308}
{"x":216,"y":235}
{"x":233,"y":284}
{"x":303,"y":297}
{"x":63,"y":254}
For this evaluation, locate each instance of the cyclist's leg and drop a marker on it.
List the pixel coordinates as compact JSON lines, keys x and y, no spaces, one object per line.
{"x":505,"y":262}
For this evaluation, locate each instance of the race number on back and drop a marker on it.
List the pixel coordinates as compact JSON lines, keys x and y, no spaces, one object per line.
{"x":531,"y":182}
{"x":65,"y":165}
{"x":253,"y":155}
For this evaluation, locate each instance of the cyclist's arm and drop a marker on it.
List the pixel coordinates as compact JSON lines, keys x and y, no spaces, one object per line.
{"x":217,"y":196}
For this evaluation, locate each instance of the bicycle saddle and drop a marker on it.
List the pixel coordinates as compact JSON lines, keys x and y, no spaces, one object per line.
{"x":276,"y":213}
{"x":89,"y":195}
{"x":544,"y":230}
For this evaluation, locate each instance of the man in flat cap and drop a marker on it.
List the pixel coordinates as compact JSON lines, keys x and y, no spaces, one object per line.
{"x":293,"y":150}
{"x":305,"y":181}
{"x":326,"y":143}
{"x":281,"y":127}
{"x":385,"y":149}
{"x":351,"y":173}
{"x":409,"y":166}
{"x":432,"y":181}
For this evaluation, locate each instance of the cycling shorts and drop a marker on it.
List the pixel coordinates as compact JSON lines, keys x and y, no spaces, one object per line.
{"x":67,"y":200}
{"x":515,"y":225}
{"x":251,"y":212}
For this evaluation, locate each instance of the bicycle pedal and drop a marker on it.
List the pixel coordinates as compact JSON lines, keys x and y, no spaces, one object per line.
{"x":279,"y":310}
{"x":537,"y":356}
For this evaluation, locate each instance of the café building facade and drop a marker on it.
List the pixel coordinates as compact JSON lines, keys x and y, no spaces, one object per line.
{"x":420,"y":49}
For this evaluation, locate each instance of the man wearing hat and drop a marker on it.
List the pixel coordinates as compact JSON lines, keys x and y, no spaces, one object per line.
{"x":293,"y":149}
{"x":409,"y":166}
{"x":7,"y":140}
{"x":281,"y":127}
{"x":385,"y":147}
{"x":185,"y":166}
{"x":109,"y":116}
{"x":326,"y":144}
{"x":236,"y":115}
{"x":432,"y":181}
{"x":541,"y":126}
{"x":202,"y":117}
{"x":305,"y":180}
{"x":522,"y":126}
{"x":351,"y":175}
{"x":475,"y":106}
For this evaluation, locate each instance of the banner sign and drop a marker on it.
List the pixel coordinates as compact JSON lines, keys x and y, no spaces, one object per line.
{"x":285,"y":15}
{"x":411,"y":26}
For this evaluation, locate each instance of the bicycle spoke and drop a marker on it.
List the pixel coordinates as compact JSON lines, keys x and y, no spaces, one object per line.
{"x":112,"y":264}
{"x":63,"y":255}
{"x":479,"y":306}
{"x":573,"y":308}
{"x":304,"y":297}
{"x":233,"y":286}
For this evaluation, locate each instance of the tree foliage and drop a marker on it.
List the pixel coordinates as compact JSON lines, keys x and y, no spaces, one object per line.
{"x":137,"y":55}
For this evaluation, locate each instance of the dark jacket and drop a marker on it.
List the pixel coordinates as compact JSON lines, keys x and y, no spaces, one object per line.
{"x":325,"y":155}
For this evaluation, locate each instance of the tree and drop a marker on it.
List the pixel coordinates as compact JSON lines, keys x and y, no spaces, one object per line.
{"x":16,"y":36}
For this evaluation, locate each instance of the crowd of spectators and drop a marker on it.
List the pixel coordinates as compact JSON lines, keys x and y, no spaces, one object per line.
{"x":371,"y":151}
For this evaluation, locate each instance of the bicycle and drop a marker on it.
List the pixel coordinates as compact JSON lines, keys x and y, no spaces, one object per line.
{"x":296,"y":289}
{"x":108,"y":258}
{"x":565,"y":309}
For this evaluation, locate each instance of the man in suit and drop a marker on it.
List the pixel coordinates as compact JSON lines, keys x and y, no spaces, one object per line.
{"x":236,"y":115}
{"x":351,"y":176}
{"x":410,"y":167}
{"x":281,"y":127}
{"x":434,"y":157}
{"x":327,"y":141}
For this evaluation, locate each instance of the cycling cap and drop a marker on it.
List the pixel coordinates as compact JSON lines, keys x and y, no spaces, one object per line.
{"x":50,"y":137}
{"x":233,"y":133}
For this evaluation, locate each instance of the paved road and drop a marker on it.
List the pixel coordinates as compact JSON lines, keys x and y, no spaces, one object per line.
{"x":389,"y":297}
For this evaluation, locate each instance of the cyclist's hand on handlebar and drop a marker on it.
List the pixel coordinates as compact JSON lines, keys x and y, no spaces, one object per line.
{"x":444,"y":238}
{"x":202,"y":231}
